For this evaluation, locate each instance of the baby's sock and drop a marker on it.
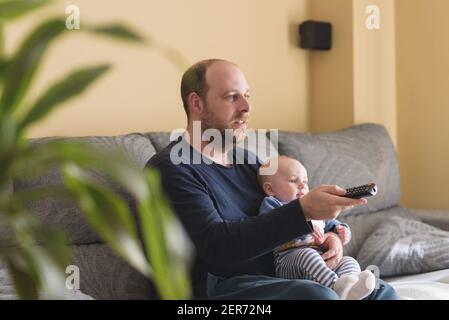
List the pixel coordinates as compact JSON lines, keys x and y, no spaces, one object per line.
{"x":344,"y":284}
{"x":363,"y":287}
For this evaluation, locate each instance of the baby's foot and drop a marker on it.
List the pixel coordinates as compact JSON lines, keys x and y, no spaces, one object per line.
{"x":344,"y":284}
{"x":363,"y":287}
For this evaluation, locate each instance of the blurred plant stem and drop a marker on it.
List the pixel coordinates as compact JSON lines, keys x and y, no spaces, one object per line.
{"x":2,"y":40}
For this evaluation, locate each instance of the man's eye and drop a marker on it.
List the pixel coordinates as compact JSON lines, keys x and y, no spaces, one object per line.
{"x":231,"y":97}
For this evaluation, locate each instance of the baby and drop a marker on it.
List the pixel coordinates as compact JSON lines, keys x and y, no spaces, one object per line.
{"x":301,"y":257}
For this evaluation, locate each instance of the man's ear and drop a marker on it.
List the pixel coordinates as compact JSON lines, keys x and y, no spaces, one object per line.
{"x":268,"y":188}
{"x":195,"y":103}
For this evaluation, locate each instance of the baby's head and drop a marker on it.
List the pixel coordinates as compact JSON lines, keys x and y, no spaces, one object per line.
{"x":288,"y":182}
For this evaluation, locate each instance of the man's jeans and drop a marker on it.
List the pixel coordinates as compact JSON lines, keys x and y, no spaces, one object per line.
{"x":265,"y":287}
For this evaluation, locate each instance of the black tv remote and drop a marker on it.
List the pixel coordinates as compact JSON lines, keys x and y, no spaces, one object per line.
{"x":366,"y":190}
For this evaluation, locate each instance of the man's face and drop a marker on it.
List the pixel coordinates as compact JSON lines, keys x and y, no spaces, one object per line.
{"x":226,"y":103}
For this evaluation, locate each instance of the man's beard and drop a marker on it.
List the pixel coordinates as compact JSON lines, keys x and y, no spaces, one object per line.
{"x":229,"y":136}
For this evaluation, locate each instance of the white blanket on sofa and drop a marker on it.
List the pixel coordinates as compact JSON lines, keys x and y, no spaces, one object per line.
{"x":421,"y":290}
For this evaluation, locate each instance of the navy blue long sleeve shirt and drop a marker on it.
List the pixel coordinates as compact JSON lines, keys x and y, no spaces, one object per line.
{"x":218,"y":207}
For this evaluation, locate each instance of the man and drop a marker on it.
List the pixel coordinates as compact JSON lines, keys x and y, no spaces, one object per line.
{"x":218,"y":201}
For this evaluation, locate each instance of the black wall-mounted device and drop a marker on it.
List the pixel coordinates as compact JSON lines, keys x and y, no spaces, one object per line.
{"x":315,"y":35}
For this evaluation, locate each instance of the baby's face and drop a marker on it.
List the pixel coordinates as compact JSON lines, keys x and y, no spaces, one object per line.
{"x":290,"y":181}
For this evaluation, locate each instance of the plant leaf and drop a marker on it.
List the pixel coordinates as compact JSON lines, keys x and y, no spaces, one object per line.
{"x":50,"y":269}
{"x":2,"y":45}
{"x":14,"y":8}
{"x":108,"y":215}
{"x":3,"y":65}
{"x":24,"y":64}
{"x":63,"y":90}
{"x":167,"y":245}
{"x":35,"y":194}
{"x":117,"y":31}
{"x":25,"y":285}
{"x":8,"y":146}
{"x":41,"y":252}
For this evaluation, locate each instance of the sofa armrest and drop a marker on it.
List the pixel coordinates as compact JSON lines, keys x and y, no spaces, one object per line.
{"x":437,"y":218}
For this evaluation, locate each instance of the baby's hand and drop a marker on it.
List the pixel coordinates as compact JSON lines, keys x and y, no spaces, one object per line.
{"x":318,"y":234}
{"x":344,"y":234}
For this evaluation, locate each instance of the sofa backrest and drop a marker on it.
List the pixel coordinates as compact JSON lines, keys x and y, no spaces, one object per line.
{"x":348,"y":158}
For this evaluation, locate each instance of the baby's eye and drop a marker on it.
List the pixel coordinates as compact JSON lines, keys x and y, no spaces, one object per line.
{"x":293,"y":180}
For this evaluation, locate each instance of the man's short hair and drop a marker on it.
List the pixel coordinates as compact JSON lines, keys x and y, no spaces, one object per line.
{"x":194,"y":80}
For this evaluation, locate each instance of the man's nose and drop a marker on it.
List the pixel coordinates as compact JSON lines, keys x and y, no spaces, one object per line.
{"x":244,"y":105}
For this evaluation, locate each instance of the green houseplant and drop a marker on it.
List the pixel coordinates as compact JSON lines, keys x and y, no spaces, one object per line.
{"x":36,"y":255}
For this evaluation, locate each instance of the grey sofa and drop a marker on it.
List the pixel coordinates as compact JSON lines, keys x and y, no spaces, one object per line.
{"x":346,"y":157}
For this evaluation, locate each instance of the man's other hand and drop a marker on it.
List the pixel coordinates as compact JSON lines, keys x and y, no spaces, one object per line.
{"x":318,"y":234}
{"x":325,"y":202}
{"x":334,"y":250}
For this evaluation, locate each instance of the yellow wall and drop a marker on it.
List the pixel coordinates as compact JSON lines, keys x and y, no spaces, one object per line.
{"x":142,"y":92}
{"x":422,"y":30}
{"x":355,"y":81}
{"x":375,"y":65}
{"x":331,"y":72}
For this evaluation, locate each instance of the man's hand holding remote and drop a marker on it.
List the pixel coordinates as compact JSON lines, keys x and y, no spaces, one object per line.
{"x":325,"y":202}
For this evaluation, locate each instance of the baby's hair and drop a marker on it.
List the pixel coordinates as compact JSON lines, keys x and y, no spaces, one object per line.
{"x":261,"y":178}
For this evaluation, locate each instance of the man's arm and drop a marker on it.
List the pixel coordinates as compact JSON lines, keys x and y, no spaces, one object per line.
{"x":220,"y":242}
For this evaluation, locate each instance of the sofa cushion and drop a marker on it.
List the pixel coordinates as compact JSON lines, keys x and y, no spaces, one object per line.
{"x":401,"y":246}
{"x":159,"y":139}
{"x":363,"y":225}
{"x":5,"y":231}
{"x":7,"y":291}
{"x":348,"y":157}
{"x":103,"y":275}
{"x":66,"y":214}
